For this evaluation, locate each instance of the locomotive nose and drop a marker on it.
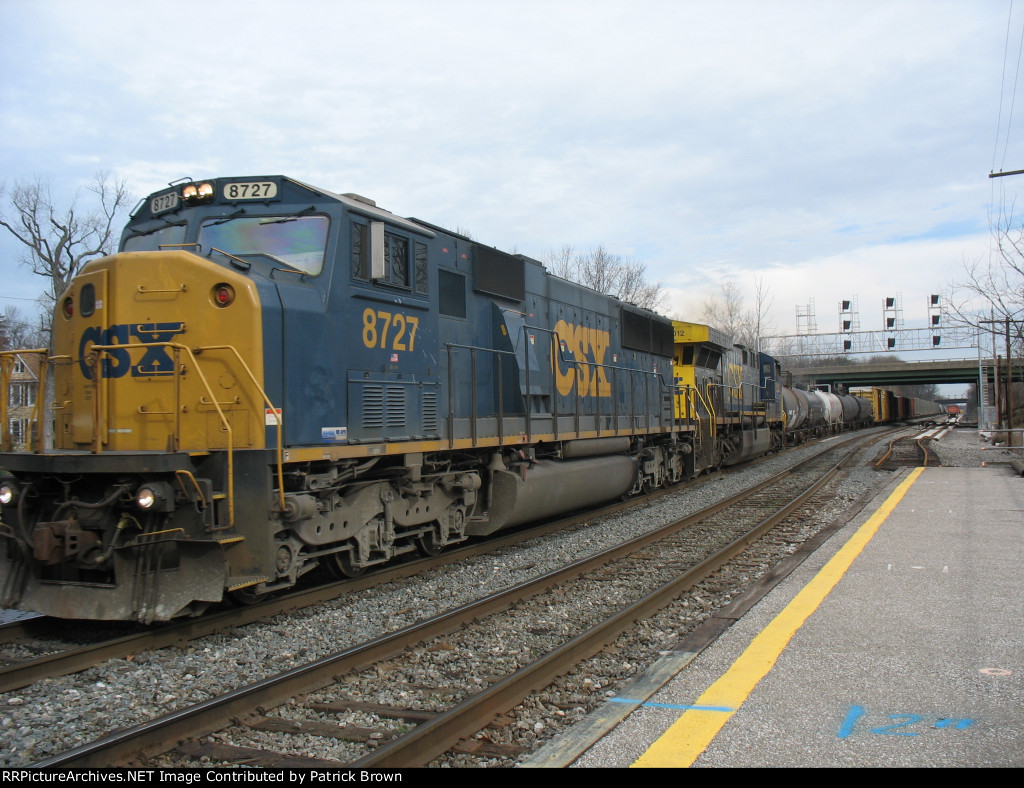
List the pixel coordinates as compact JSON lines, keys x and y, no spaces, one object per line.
{"x":166,"y":352}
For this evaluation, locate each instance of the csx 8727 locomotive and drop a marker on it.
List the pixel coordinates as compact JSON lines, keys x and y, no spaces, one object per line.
{"x":269,"y":377}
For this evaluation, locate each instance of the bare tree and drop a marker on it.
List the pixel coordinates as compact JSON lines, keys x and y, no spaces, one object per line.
{"x":728,"y":312}
{"x":725,"y":311}
{"x":60,"y":240}
{"x":926,"y":391}
{"x":563,"y":262}
{"x":622,"y":277}
{"x":993,"y":287}
{"x":759,"y":315}
{"x":17,"y":331}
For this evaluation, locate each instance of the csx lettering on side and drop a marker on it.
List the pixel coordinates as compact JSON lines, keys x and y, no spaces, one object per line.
{"x":116,"y":363}
{"x":588,"y":347}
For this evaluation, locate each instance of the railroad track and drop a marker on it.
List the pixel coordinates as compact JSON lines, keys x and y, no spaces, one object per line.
{"x":35,"y":649}
{"x":52,"y":647}
{"x":660,"y":566}
{"x":909,"y":451}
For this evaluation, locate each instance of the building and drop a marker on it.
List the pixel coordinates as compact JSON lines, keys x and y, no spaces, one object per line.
{"x":21,"y":402}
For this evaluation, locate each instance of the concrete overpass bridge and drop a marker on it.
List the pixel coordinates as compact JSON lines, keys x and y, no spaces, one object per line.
{"x":896,"y":373}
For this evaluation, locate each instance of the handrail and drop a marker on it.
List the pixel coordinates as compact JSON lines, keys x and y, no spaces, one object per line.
{"x":644,"y":375}
{"x":709,"y":405}
{"x":695,"y":391}
{"x":100,"y":409}
{"x":270,"y":405}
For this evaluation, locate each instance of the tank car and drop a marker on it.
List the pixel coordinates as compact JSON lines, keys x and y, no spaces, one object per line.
{"x":832,"y":410}
{"x":797,"y":411}
{"x":270,"y":377}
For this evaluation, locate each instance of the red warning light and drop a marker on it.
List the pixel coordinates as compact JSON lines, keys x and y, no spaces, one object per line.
{"x":223,"y":295}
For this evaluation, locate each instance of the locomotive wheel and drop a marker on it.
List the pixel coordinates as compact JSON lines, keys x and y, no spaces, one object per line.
{"x":342,"y":565}
{"x":428,"y":544}
{"x":244,"y":597}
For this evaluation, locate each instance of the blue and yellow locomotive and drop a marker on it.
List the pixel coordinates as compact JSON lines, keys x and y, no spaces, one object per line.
{"x":269,"y":377}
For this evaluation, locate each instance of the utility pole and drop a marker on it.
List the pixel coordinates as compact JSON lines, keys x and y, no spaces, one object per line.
{"x":1009,"y":357}
{"x":1008,"y":388}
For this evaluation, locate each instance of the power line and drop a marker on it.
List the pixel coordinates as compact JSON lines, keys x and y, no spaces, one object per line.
{"x":1002,"y":89}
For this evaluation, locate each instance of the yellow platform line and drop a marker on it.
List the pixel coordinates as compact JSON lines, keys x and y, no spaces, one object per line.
{"x":691,"y":734}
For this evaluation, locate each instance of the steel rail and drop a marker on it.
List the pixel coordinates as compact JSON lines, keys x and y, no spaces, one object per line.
{"x":431,"y":739}
{"x":63,"y":663}
{"x":925,"y":453}
{"x":150,"y":738}
{"x":175,"y":633}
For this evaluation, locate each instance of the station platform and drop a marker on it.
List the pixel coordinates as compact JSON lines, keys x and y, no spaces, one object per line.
{"x":898,"y":643}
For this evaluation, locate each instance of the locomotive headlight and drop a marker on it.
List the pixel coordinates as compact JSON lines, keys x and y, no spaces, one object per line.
{"x":197,"y":193}
{"x":8,"y":493}
{"x":146,"y":498}
{"x":155,"y":497}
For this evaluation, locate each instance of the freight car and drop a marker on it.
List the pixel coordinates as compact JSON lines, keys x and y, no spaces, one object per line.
{"x":269,"y":377}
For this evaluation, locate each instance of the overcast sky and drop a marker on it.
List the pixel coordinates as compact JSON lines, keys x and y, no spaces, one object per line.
{"x":835,"y":149}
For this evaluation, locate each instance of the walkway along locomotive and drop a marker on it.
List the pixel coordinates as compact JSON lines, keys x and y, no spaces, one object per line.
{"x":269,"y":377}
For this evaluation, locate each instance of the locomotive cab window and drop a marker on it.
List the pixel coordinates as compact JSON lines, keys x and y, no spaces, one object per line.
{"x":298,"y":242}
{"x":87,"y":299}
{"x":400,"y":263}
{"x":396,"y":261}
{"x":152,"y":241}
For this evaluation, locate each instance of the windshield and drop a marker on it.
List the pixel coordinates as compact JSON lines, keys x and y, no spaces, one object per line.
{"x":297,"y":241}
{"x":150,"y":242}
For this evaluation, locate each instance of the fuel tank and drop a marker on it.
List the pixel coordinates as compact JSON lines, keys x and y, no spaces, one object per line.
{"x":547,"y":488}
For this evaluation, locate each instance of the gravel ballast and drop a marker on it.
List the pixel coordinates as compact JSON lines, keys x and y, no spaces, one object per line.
{"x":57,"y":714}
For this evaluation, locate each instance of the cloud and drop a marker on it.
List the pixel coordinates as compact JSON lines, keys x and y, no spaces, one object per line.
{"x":713,"y":141}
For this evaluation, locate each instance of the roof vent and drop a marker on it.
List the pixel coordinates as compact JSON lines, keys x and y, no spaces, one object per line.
{"x":360,"y":198}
